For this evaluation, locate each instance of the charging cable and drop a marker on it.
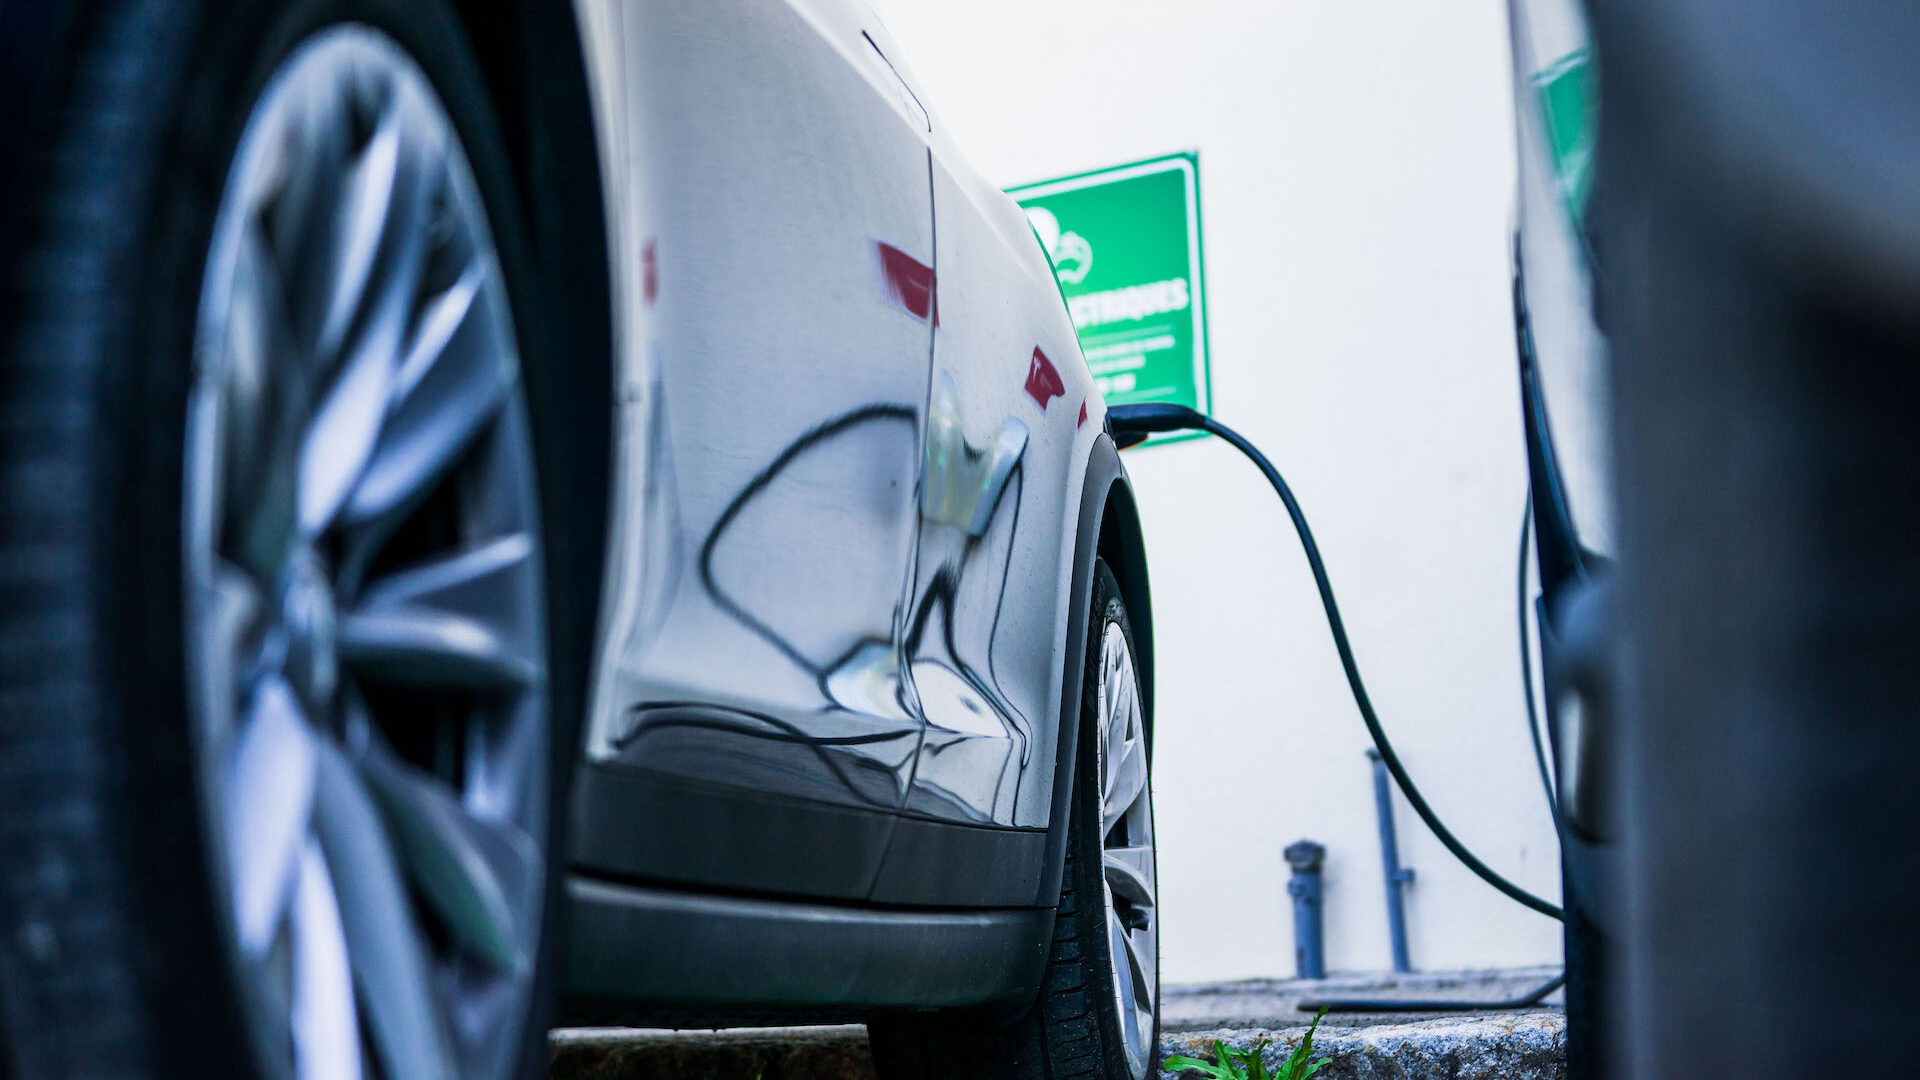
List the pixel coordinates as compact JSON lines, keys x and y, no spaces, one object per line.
{"x":1406,"y":1005}
{"x":1526,"y":664}
{"x":1133,"y":423}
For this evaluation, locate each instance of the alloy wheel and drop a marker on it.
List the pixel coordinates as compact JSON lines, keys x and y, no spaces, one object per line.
{"x":1126,"y":819}
{"x":365,"y":589}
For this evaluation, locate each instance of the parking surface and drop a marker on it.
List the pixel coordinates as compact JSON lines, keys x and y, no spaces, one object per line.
{"x":1525,"y":1044}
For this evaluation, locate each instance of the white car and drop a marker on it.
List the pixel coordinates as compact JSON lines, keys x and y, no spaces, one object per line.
{"x":469,"y":469}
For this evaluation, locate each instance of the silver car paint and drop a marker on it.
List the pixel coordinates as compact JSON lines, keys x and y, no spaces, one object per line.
{"x":989,"y":681}
{"x":840,"y":558}
{"x":1570,"y":349}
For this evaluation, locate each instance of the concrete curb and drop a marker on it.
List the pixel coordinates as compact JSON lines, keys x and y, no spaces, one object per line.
{"x":1501,"y":1046}
{"x":1505,"y":1046}
{"x":1524,"y":1045}
{"x":1275,"y":1004}
{"x":802,"y":1053}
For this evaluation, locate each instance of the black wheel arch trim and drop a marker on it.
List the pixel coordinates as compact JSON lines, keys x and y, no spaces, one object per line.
{"x":1108,"y":528}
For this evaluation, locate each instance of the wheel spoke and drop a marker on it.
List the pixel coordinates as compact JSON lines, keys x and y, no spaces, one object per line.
{"x":362,"y":220}
{"x":482,"y":877}
{"x":1130,"y":874}
{"x":302,"y":199}
{"x":1140,"y":970}
{"x":264,"y":410}
{"x":270,"y":796}
{"x":1126,"y":768}
{"x":388,"y":955}
{"x":442,"y":321}
{"x":382,"y":251}
{"x":1125,"y":977}
{"x":341,"y":438}
{"x":461,"y":622}
{"x":1141,"y":974}
{"x":453,"y":382}
{"x":425,"y":648}
{"x":230,"y":609}
{"x":326,"y":1034}
{"x":486,"y":584}
{"x":254,"y":328}
{"x":1120,"y":705}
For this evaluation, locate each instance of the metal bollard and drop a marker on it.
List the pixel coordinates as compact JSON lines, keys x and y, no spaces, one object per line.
{"x":1398,"y":877}
{"x":1309,"y":938}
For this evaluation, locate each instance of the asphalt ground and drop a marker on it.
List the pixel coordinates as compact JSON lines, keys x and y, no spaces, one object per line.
{"x":1524,"y":1044}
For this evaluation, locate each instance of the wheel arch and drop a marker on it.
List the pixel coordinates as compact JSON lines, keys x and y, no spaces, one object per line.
{"x":1108,"y":528}
{"x":1123,"y":548}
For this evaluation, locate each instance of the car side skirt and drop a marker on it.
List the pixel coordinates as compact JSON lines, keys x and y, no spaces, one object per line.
{"x":634,"y":824}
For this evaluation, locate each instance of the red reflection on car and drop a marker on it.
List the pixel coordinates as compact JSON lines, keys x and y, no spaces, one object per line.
{"x":1043,"y":380}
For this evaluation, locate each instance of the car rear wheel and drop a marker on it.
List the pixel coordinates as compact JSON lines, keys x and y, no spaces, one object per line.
{"x":1098,"y":1011}
{"x":278,"y":735}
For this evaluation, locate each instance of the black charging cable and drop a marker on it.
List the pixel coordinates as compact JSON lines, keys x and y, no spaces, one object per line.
{"x":1407,"y":1005}
{"x":1526,"y":665}
{"x":1130,"y":425}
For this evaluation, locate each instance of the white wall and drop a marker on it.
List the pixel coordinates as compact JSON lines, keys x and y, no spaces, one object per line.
{"x":1357,"y":175}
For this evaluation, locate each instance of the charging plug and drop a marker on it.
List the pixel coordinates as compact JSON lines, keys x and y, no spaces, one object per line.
{"x":1131,"y":424}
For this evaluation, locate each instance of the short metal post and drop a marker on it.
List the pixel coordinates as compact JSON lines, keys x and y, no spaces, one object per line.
{"x":1309,"y":939}
{"x":1397,"y":875}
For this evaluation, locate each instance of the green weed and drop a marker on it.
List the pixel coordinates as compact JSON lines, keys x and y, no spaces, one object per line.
{"x":1231,"y":1064}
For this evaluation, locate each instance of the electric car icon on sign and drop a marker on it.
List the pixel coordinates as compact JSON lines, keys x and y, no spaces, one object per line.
{"x":471,"y":469}
{"x":1072,"y":255}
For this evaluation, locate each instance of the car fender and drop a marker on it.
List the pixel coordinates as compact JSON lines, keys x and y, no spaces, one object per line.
{"x":1108,"y":527}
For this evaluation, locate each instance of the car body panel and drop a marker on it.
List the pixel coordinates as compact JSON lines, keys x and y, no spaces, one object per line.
{"x":849,"y":466}
{"x":773,"y":377}
{"x":1554,"y":125}
{"x":988,"y":608}
{"x":1012,"y":420}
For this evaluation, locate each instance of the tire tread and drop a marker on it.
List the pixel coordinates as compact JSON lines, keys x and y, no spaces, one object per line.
{"x":70,"y":971}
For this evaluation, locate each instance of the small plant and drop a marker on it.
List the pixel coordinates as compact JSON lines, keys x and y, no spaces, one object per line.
{"x":1231,"y":1064}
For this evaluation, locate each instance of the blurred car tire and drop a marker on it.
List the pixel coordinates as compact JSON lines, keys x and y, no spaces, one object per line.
{"x":116,"y":943}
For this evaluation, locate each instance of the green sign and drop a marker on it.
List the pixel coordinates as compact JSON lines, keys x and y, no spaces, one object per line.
{"x":1125,"y":244}
{"x":1566,"y":93}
